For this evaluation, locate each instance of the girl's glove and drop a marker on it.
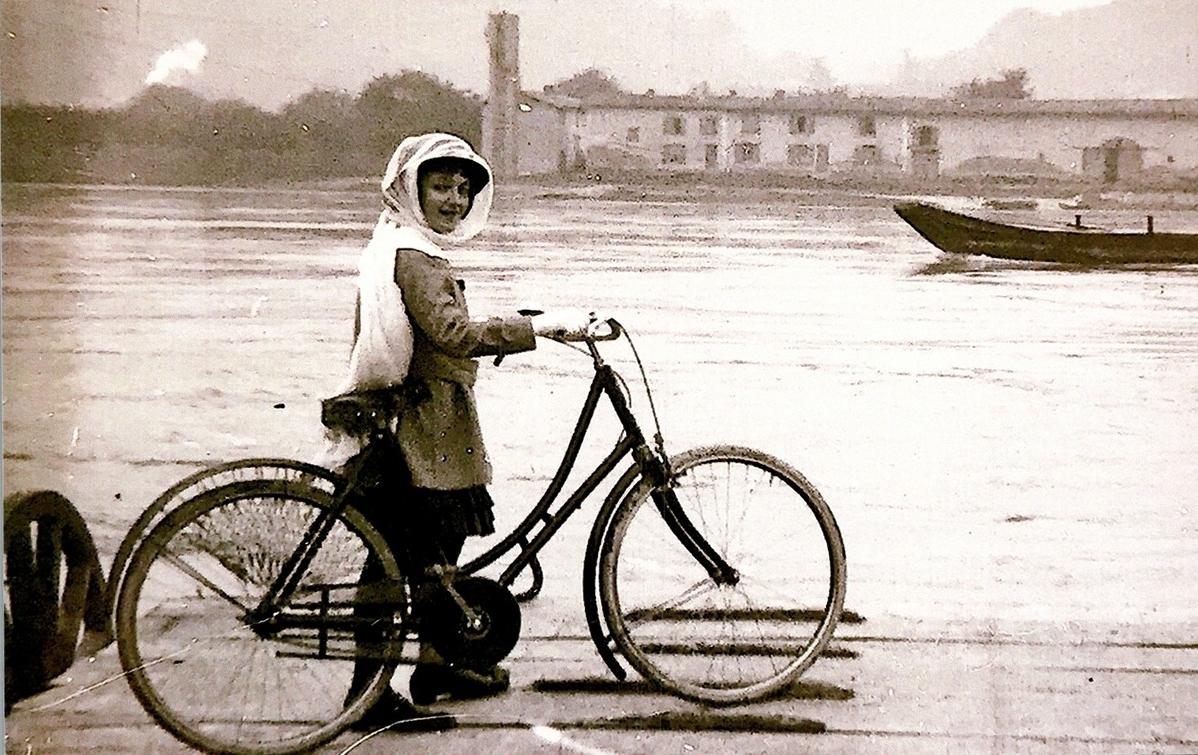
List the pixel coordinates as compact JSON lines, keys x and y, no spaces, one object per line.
{"x":565,"y":324}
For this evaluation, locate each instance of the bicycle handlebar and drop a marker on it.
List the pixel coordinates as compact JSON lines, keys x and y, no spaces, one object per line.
{"x":605,"y":330}
{"x":598,"y":330}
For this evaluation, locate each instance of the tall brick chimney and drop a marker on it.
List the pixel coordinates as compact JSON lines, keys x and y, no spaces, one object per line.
{"x":499,"y":115}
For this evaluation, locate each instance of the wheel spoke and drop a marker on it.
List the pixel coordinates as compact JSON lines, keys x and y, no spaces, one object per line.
{"x":669,"y":607}
{"x":177,"y":561}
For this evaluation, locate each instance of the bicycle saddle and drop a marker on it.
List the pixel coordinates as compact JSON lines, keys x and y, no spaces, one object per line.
{"x":361,"y":413}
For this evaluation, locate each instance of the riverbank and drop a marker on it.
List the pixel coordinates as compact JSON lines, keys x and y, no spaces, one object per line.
{"x":884,"y":694}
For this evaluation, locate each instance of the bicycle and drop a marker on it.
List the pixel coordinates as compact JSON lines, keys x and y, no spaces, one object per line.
{"x":718,"y":574}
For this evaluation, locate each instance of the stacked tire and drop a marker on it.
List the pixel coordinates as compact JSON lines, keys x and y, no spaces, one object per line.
{"x":54,"y":588}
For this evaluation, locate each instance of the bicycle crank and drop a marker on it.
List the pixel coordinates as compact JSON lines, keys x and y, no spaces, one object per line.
{"x":472,"y":622}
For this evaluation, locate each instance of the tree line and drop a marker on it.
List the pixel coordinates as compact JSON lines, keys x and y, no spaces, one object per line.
{"x":1012,"y":84}
{"x":170,"y":136}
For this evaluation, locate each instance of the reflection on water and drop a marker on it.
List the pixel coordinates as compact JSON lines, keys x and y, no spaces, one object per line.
{"x":999,"y":441}
{"x":41,"y":346}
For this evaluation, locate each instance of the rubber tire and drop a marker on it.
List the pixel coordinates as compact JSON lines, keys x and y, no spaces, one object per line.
{"x":46,"y":608}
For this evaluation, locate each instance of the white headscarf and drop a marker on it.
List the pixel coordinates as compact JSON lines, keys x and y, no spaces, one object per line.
{"x":401,"y":195}
{"x":384,"y":346}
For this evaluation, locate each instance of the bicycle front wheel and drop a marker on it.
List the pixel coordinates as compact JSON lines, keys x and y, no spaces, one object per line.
{"x":711,"y":638}
{"x":228,"y":679}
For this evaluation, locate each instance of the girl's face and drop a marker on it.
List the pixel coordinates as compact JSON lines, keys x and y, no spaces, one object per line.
{"x":444,"y":199}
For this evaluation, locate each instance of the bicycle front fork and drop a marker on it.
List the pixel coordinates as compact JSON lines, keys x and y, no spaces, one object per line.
{"x":720,"y":571}
{"x":657,"y":471}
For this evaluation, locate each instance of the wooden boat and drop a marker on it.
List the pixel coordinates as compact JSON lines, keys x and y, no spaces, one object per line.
{"x":1075,"y":244}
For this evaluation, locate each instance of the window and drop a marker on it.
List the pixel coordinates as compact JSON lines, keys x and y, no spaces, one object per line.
{"x":711,"y":156}
{"x":747,"y":153}
{"x":672,"y":126}
{"x":709,"y":125}
{"x":750,"y":123}
{"x":673,"y":154}
{"x":634,"y":134}
{"x":926,"y":136}
{"x":866,"y":126}
{"x":866,"y":154}
{"x":799,"y":155}
{"x":801,"y":124}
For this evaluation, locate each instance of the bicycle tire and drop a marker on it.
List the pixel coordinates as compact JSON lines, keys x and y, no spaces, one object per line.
{"x":198,"y":666}
{"x":55,"y":585}
{"x":724,"y":644}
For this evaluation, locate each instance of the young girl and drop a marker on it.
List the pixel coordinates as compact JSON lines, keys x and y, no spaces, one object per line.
{"x":436,"y":193}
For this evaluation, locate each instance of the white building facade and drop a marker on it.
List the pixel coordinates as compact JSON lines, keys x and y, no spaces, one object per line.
{"x":530,"y":134}
{"x":824,"y":134}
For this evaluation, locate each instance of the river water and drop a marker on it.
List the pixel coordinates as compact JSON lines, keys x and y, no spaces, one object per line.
{"x":1005,"y":446}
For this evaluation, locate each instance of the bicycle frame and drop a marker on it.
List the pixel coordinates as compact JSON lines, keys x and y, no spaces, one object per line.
{"x":651,"y":465}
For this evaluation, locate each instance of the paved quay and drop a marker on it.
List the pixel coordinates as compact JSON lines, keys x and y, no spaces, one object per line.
{"x":907,"y":689}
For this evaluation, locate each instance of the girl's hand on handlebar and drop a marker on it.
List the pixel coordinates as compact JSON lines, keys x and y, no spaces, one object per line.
{"x":569,"y":325}
{"x":565,"y":324}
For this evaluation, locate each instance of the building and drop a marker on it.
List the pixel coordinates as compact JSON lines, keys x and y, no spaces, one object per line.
{"x":503,"y":97}
{"x":825,"y":134}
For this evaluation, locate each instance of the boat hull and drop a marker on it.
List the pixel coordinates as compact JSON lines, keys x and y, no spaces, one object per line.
{"x":963,"y":234}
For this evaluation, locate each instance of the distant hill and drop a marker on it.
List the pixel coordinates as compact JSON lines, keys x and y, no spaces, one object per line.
{"x":1126,"y":49}
{"x":270,"y":52}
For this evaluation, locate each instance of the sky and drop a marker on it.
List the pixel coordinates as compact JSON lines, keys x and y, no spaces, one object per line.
{"x":861,"y":41}
{"x":102,"y":52}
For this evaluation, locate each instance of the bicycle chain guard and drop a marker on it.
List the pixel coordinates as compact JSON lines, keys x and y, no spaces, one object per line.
{"x":477,"y":644}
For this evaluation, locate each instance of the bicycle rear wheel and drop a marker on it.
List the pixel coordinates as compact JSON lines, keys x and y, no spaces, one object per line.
{"x":730,"y":643}
{"x":226,"y":682}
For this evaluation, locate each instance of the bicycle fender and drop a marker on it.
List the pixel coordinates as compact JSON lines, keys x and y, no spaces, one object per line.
{"x":590,"y":571}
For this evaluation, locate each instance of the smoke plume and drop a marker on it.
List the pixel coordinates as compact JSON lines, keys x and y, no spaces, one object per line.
{"x":185,"y":57}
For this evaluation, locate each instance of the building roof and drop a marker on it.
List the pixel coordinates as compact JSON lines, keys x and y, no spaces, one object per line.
{"x":839,"y":103}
